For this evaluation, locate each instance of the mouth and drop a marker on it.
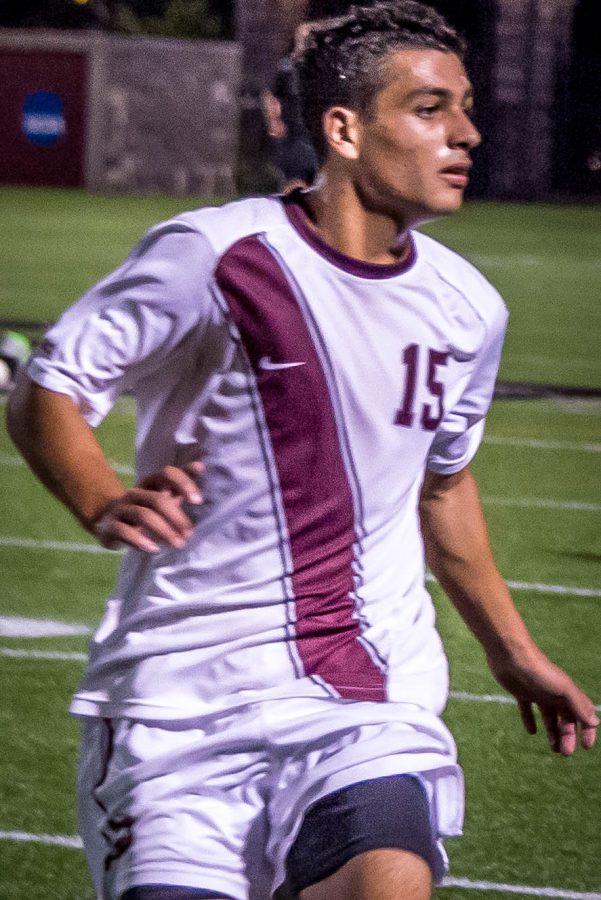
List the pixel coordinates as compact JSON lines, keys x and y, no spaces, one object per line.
{"x":458,"y":175}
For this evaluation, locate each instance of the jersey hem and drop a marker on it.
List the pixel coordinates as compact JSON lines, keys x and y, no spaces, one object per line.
{"x":58,"y":385}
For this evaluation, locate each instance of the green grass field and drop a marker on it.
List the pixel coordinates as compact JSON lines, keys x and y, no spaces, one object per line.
{"x":533,"y":819}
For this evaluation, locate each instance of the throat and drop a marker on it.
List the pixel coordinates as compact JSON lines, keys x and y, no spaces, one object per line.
{"x":370,"y":239}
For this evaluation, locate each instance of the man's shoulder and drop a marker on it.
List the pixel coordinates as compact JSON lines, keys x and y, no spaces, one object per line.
{"x":223,"y":226}
{"x":461,"y":277}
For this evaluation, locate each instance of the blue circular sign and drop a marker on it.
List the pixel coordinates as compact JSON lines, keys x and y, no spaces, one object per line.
{"x":43,"y":119}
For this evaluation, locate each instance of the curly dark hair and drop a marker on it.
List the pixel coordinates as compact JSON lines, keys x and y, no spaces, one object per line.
{"x":341,"y":62}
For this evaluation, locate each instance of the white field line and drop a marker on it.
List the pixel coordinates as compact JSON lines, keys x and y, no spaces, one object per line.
{"x":74,"y":842}
{"x":125,"y":406}
{"x":524,"y":890}
{"x":67,"y":546}
{"x":531,"y":259}
{"x":62,"y":656}
{"x":74,"y":547}
{"x":57,"y":840}
{"x":493,"y":440}
{"x":521,"y":502}
{"x":538,"y":587}
{"x":7,"y":459}
{"x":540,"y":444}
{"x":518,"y":502}
{"x":22,"y":627}
{"x":504,"y":699}
{"x":541,"y":503}
{"x":482,"y":698}
{"x":73,"y":656}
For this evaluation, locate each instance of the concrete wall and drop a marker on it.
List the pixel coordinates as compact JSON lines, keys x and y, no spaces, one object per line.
{"x":162,"y":115}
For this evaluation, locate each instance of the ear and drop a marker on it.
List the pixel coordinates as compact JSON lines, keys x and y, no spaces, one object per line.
{"x":342,"y":130}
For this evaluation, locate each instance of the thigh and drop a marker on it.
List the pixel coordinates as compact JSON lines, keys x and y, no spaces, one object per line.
{"x":385,"y":874}
{"x":179,"y":808}
{"x":365,"y":841}
{"x":332,"y":746}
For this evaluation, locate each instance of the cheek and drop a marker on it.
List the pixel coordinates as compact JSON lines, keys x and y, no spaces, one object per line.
{"x":417,"y":166}
{"x":403,"y":159}
{"x":416,"y":150}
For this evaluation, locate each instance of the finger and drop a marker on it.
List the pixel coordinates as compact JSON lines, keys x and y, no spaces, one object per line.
{"x":551,"y":723}
{"x":194,"y":468}
{"x":159,"y":523}
{"x":136,"y":538}
{"x":567,"y":738}
{"x":156,"y":517}
{"x":527,"y":715}
{"x":581,"y":710}
{"x":181,"y":482}
{"x":175,"y":482}
{"x":162,"y":504}
{"x":117,"y":535}
{"x":588,"y":735}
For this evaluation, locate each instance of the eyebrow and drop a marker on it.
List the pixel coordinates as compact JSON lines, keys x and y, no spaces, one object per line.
{"x":443,"y":93}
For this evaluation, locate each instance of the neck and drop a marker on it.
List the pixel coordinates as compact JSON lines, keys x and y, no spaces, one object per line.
{"x":341,"y":219}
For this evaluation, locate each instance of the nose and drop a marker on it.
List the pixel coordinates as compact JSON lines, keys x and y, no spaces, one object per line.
{"x":465,"y":134}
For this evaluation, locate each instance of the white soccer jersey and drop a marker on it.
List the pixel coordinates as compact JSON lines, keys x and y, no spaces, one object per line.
{"x":316,"y":390}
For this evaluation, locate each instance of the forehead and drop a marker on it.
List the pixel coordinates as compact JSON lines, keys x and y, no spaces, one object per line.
{"x":410,"y":70}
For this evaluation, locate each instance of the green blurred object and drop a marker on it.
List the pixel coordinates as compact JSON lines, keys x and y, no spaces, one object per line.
{"x":14,"y":352}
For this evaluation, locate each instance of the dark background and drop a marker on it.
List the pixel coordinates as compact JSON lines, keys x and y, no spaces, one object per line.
{"x":577,"y":113}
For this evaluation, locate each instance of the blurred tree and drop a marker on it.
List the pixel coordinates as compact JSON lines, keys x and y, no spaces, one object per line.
{"x":147,"y":7}
{"x":179,"y":18}
{"x":172,"y":18}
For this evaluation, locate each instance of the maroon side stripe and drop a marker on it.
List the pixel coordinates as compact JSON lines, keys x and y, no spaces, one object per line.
{"x":316,"y":495}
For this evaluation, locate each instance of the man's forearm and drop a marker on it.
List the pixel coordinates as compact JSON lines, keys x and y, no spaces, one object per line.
{"x":459,"y":555}
{"x":62,"y":450}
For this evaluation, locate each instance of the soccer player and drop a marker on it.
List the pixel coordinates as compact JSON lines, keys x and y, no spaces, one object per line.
{"x":262,"y":703}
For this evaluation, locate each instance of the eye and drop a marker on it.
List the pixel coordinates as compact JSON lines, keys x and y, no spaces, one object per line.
{"x":427,"y":112}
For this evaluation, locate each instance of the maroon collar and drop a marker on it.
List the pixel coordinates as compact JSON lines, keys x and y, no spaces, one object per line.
{"x":299,"y":219}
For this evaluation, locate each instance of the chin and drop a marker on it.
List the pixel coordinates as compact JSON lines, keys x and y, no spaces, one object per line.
{"x":446,"y":206}
{"x":437,"y":211}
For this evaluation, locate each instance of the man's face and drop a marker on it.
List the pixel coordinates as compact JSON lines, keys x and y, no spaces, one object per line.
{"x":414,"y":149}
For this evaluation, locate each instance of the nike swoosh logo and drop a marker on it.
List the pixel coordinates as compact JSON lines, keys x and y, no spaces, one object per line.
{"x":269,"y":366}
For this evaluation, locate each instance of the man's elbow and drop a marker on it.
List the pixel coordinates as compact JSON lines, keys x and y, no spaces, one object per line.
{"x":438,"y":486}
{"x":17,"y":410}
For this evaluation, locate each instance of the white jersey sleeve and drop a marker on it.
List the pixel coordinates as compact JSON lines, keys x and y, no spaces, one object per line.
{"x":124,"y":328}
{"x":459,"y":434}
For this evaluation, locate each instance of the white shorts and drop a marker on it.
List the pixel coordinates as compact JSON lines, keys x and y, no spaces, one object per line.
{"x":218,"y":806}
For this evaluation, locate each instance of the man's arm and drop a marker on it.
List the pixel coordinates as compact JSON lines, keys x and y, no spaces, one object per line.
{"x":459,"y":555}
{"x":63,"y":452}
